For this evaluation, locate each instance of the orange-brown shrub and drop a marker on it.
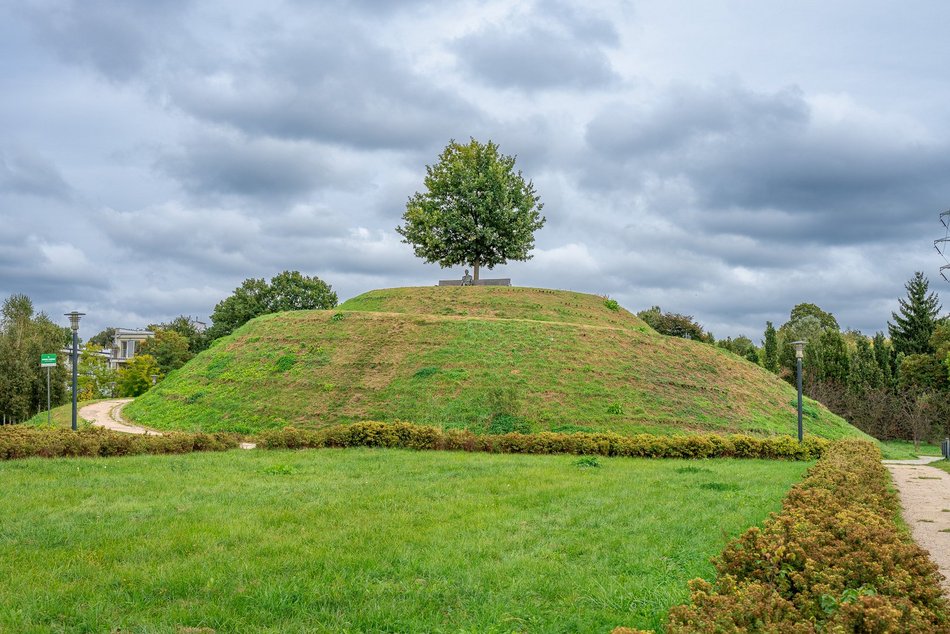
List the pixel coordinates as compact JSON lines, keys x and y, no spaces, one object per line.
{"x":27,"y":442}
{"x":833,"y":560}
{"x":410,"y":436}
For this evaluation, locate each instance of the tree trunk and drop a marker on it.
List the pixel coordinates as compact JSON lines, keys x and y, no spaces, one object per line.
{"x":475,"y":275}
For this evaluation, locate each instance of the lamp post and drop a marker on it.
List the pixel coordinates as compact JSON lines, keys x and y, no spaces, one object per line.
{"x":799,"y":353}
{"x":74,"y":324}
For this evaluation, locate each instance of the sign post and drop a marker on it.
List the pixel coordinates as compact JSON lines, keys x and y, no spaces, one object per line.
{"x":48,"y":361}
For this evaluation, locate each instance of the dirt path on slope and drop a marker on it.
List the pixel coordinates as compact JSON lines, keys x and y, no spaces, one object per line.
{"x":925,"y":498}
{"x":108,"y":414}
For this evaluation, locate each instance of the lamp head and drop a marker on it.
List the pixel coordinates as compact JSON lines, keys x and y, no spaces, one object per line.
{"x":799,"y":348}
{"x":74,"y":320}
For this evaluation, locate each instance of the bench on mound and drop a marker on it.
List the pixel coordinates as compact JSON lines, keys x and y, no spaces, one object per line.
{"x":502,"y":281}
{"x":468,"y":281}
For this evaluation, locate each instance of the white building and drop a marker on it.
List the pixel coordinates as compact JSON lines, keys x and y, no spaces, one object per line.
{"x":125,"y":345}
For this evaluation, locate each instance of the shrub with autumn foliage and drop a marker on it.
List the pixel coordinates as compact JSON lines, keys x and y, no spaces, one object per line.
{"x":833,"y":560}
{"x":410,"y":436}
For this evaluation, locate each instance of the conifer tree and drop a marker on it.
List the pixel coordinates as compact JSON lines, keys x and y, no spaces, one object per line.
{"x":884,"y":356}
{"x":916,"y":318}
{"x":770,"y":349}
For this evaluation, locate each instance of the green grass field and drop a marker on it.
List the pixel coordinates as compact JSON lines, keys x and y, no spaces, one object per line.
{"x":484,"y":358}
{"x":904,"y":449}
{"x":61,"y":416}
{"x":365,"y":540}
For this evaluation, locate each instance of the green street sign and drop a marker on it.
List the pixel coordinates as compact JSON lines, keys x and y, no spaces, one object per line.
{"x":47,"y":360}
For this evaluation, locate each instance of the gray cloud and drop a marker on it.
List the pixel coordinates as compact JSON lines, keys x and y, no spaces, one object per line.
{"x":117,"y":40}
{"x":155,"y":154}
{"x":228,"y":164}
{"x":25,"y":172}
{"x":556,"y":45}
{"x":760,"y":165}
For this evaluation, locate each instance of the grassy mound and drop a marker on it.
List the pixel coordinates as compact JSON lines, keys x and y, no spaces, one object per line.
{"x":488,"y":359}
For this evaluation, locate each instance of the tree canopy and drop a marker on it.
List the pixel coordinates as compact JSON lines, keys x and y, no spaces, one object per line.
{"x":169,"y":349}
{"x":24,"y":336}
{"x":675,"y":325}
{"x":289,"y":290}
{"x":475,"y":209}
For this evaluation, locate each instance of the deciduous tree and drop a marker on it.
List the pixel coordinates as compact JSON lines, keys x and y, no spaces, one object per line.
{"x":287,"y":291}
{"x":169,"y":349}
{"x":476,"y":209}
{"x":135,"y":377}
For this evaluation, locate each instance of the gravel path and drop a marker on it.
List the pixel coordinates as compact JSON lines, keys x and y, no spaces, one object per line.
{"x":925,"y":497}
{"x":108,"y":414}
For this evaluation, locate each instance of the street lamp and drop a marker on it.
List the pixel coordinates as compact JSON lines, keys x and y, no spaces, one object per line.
{"x":799,"y":353}
{"x":74,"y":324}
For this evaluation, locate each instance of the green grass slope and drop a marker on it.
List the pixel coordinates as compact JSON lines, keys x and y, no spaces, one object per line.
{"x":492,"y":359}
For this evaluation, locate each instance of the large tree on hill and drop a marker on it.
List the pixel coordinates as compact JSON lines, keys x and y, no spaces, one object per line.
{"x":475,"y":209}
{"x":916,"y":318}
{"x":286,"y":291}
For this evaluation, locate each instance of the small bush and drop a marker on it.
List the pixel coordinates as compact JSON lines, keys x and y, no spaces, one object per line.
{"x":833,"y":560}
{"x":337,"y":317}
{"x":615,"y":408}
{"x":425,"y":373}
{"x":285,"y":362}
{"x":611,"y":304}
{"x":27,"y":442}
{"x":410,"y":436}
{"x":587,"y":461}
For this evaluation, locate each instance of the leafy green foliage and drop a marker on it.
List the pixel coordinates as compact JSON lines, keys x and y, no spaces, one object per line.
{"x":611,"y":304}
{"x":475,"y":209}
{"x":187,"y":328}
{"x":675,"y":325}
{"x":170,"y":349}
{"x":289,"y":290}
{"x":833,"y":560}
{"x":587,"y":462}
{"x":96,"y":379}
{"x":24,"y":336}
{"x":916,"y":318}
{"x":770,"y":349}
{"x":741,"y":346}
{"x":104,"y":338}
{"x":136,"y":376}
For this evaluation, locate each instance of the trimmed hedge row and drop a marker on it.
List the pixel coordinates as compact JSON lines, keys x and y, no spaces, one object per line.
{"x":26,"y":442}
{"x":410,"y":436}
{"x":833,"y":560}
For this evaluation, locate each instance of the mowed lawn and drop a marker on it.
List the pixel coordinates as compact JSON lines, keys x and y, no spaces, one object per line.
{"x":363,"y":540}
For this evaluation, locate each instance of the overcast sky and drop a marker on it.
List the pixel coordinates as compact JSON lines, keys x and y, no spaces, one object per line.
{"x":725,"y":160}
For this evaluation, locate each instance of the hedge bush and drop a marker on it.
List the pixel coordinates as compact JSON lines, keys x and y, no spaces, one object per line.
{"x":833,"y":560}
{"x":27,"y":442}
{"x":410,"y":436}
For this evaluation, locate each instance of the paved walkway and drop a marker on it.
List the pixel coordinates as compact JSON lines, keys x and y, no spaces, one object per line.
{"x":925,"y":497}
{"x":108,"y":414}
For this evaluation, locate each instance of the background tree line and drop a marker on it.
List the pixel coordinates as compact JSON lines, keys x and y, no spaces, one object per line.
{"x":891,"y":386}
{"x":25,"y":335}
